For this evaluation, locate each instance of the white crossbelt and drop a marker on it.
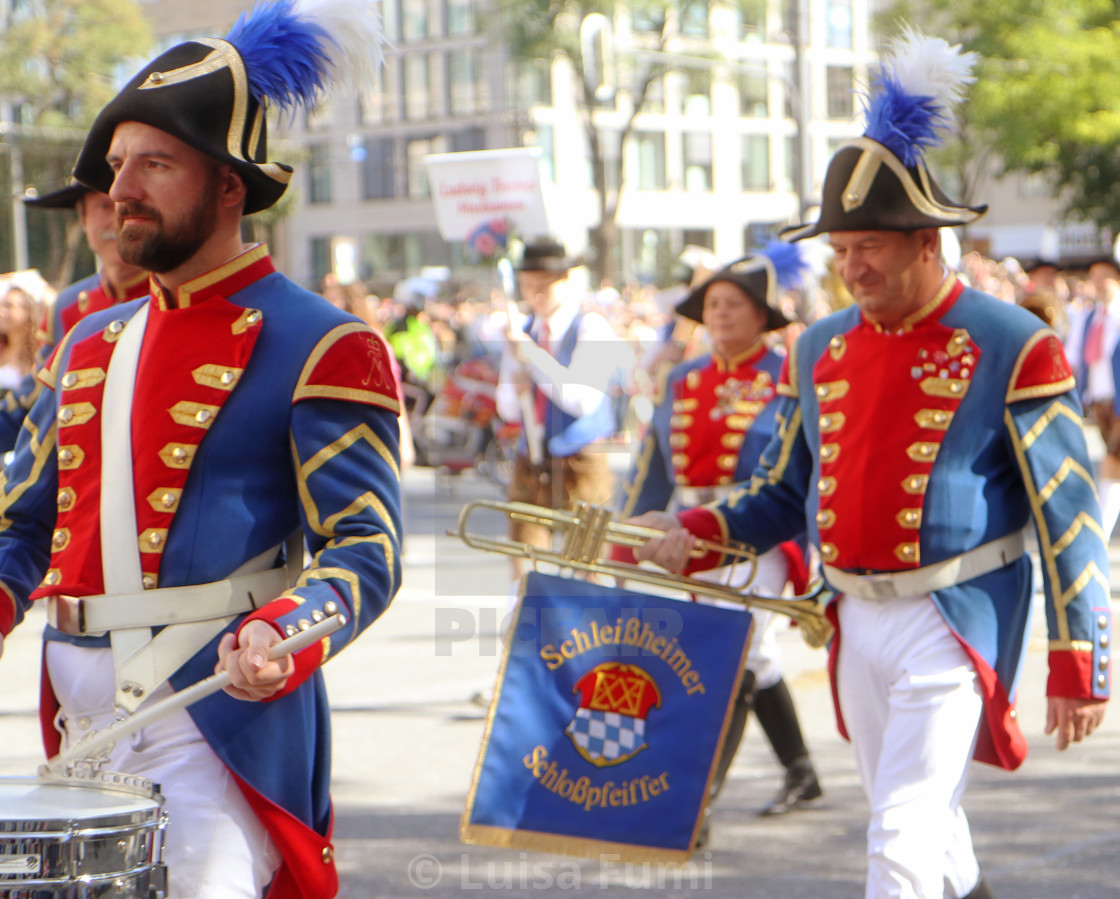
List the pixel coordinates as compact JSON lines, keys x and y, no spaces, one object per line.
{"x":988,"y":557}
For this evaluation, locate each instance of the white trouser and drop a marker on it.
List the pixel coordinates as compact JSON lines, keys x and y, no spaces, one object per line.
{"x":764,"y":656}
{"x":911,"y":704}
{"x":215,"y":847}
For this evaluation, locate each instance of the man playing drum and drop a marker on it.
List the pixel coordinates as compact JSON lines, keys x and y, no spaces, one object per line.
{"x":184,"y":442}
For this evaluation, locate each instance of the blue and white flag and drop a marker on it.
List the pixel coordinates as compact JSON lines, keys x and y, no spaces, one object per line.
{"x":606,"y":723}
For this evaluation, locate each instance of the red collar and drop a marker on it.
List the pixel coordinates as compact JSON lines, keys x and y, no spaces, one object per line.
{"x":224,"y":281}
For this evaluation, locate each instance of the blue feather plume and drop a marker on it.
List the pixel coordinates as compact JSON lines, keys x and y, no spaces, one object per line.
{"x":285,"y":54}
{"x":789,"y":262}
{"x":906,"y":124}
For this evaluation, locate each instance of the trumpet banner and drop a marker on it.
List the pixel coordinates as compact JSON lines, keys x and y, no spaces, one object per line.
{"x":607,"y":719}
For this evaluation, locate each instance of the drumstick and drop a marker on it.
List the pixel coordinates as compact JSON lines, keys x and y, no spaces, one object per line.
{"x":99,"y":740}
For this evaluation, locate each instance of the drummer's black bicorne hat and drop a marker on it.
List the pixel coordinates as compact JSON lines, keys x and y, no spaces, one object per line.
{"x":213,"y":94}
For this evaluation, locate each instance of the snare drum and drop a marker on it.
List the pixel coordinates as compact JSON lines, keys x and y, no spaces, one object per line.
{"x":78,"y":838}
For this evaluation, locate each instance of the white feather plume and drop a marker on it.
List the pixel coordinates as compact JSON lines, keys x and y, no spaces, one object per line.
{"x":355,"y":30}
{"x":929,"y":67}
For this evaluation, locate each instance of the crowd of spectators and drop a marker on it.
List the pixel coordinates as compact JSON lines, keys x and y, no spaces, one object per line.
{"x":435,"y":328}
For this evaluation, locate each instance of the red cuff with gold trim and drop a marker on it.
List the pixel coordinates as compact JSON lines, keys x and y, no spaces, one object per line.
{"x":306,"y":660}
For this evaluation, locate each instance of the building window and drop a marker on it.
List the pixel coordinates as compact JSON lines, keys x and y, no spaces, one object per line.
{"x":468,"y":140}
{"x":534,"y":78}
{"x":787,"y":181}
{"x":647,"y":160}
{"x":460,"y":17}
{"x":383,"y":253}
{"x":416,"y":150}
{"x":379,"y":104}
{"x":838,"y":24}
{"x":694,"y":19}
{"x":698,"y":92}
{"x":320,"y":250}
{"x":756,"y":162}
{"x":647,"y":20}
{"x":415,"y":19}
{"x":319,"y":174}
{"x":695,"y":237}
{"x":697,"y":155}
{"x":391,"y":19}
{"x":753,"y":100}
{"x":750,"y":22}
{"x":378,"y":172}
{"x":417,"y":86}
{"x":463,"y":80}
{"x":840,"y":102}
{"x":544,"y":138}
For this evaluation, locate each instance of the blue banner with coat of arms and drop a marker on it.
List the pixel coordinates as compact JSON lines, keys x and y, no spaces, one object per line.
{"x":606,"y":723}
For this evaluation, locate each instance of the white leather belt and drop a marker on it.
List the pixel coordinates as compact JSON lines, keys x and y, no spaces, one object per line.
{"x":95,"y":615}
{"x":700,"y":496}
{"x":984,"y":559}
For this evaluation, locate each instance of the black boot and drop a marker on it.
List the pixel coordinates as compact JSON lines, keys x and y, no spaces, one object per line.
{"x":980,"y":891}
{"x":778,"y":717}
{"x":744,"y":702}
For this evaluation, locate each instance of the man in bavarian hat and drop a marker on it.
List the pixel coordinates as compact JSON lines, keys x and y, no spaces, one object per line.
{"x":555,"y":377}
{"x":922,"y":430}
{"x":185,"y":448}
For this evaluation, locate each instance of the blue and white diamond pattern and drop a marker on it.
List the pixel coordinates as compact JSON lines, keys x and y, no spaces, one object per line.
{"x":607,"y":735}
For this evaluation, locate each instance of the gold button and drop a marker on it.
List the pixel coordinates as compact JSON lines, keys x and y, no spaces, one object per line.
{"x":956,"y":387}
{"x":304,"y":624}
{"x":65,"y":457}
{"x":154,"y":539}
{"x":1104,"y":641}
{"x":836,"y":342}
{"x":317,"y":616}
{"x":59,"y":539}
{"x":69,"y":379}
{"x":202,"y":416}
{"x":83,"y":296}
{"x":1102,"y":681}
{"x":148,"y":581}
{"x":254,"y":317}
{"x":823,"y":391}
{"x":179,"y":454}
{"x":1102,"y":663}
{"x":53,"y":577}
{"x":65,"y":414}
{"x":826,"y":422}
{"x":1102,"y":622}
{"x":1013,"y":714}
{"x":291,"y":630}
{"x":328,"y":855}
{"x":168,"y":500}
{"x":116,"y":327}
{"x":330,"y":607}
{"x":227,"y":378}
{"x":65,"y":499}
{"x":156,"y":78}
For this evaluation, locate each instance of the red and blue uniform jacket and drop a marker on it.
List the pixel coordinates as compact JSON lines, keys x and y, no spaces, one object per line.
{"x":899,"y":450}
{"x":712,"y":420}
{"x":260,"y":410}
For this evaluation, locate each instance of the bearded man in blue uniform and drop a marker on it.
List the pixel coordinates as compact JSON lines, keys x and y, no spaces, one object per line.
{"x":182,"y":446}
{"x":920,"y":432}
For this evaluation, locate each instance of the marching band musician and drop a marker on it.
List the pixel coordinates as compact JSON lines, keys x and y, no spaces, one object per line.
{"x":115,"y":281}
{"x":713,"y":417}
{"x":920,"y":432}
{"x":555,"y":377}
{"x":184,"y":448}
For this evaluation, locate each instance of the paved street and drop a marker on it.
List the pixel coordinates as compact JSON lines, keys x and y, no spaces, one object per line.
{"x":407,"y":737}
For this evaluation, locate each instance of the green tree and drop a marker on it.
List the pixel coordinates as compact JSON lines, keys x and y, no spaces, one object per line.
{"x":1047,"y":95}
{"x":545,"y":29}
{"x":59,"y":65}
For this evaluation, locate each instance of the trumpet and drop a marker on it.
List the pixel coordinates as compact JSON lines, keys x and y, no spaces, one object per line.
{"x":587,"y":528}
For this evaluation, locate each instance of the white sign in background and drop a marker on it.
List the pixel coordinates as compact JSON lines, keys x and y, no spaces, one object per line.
{"x":474,"y":187}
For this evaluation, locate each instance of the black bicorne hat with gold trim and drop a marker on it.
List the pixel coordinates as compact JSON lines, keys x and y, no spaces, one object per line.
{"x":880,"y":182}
{"x":213,"y":94}
{"x":62,"y":198}
{"x":779,"y":266}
